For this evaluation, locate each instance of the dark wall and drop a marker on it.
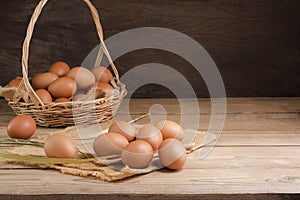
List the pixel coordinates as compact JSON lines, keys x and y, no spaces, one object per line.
{"x":255,"y":43}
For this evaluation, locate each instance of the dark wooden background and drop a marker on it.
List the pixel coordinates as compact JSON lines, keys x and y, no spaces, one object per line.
{"x":255,"y":43}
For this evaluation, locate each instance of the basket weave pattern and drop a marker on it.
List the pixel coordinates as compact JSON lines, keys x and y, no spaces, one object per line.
{"x":67,"y":113}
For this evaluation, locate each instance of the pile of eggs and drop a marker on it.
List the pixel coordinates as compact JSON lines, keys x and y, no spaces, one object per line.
{"x":63,"y":84}
{"x":137,"y":147}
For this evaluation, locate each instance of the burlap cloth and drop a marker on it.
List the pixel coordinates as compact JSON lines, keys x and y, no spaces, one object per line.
{"x":103,"y":169}
{"x":9,"y":92}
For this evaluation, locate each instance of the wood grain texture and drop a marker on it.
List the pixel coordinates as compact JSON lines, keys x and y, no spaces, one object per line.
{"x":255,"y":44}
{"x":155,"y":196}
{"x":256,"y":157}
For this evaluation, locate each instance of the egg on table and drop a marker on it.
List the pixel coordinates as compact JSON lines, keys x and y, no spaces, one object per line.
{"x":109,"y":144}
{"x":59,"y":146}
{"x":170,"y":129}
{"x":150,"y":134}
{"x":124,"y":128}
{"x":137,"y":154}
{"x":172,"y":154}
{"x":21,"y":127}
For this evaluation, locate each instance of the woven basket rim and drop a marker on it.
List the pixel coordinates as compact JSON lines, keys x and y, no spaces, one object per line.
{"x":122,"y":93}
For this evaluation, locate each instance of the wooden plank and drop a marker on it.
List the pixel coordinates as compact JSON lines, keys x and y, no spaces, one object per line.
{"x":257,"y":153}
{"x":249,"y":126}
{"x":234,"y":105}
{"x":230,"y":139}
{"x":225,"y":170}
{"x":281,"y":119}
{"x":237,"y":122}
{"x":172,"y":106}
{"x":154,"y":196}
{"x":233,"y":122}
{"x":259,"y":138}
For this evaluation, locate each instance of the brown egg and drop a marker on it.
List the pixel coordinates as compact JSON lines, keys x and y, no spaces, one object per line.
{"x":34,"y":80}
{"x":79,"y":97}
{"x":62,"y":99}
{"x":109,"y":144}
{"x":102,"y":74}
{"x":21,"y":127}
{"x":44,"y":95}
{"x":172,"y":154}
{"x":124,"y":128}
{"x":63,"y":87}
{"x":93,"y":85}
{"x":170,"y":129}
{"x":43,"y":80}
{"x":107,"y":88}
{"x":83,"y":77}
{"x":59,"y":68}
{"x":150,"y":134}
{"x":137,"y":154}
{"x":59,"y":146}
{"x":15,"y":83}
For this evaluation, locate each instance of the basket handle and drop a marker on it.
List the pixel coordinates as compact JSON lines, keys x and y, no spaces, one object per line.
{"x":25,"y":51}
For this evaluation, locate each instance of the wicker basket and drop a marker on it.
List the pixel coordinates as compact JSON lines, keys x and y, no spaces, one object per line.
{"x":67,"y":113}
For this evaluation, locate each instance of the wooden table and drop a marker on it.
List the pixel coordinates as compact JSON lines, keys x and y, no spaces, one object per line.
{"x":257,"y":155}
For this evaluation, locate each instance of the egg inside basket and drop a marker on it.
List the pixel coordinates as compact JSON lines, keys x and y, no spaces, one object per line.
{"x":70,"y":107}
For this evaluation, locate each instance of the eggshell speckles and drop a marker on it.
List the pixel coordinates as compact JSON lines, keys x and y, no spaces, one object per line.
{"x":170,"y":129}
{"x":59,"y":146}
{"x":63,"y":87}
{"x":83,"y":77}
{"x":137,"y":154}
{"x":172,"y":154}
{"x":124,"y":128}
{"x":109,"y":144}
{"x":150,"y":134}
{"x":21,"y":127}
{"x":59,"y":68}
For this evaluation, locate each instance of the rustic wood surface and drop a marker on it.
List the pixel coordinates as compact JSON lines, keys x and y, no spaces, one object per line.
{"x":257,"y":155}
{"x":255,"y":44}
